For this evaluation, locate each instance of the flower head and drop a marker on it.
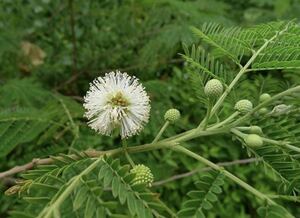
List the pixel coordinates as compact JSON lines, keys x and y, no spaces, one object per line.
{"x":213,"y":88}
{"x":117,"y":100}
{"x":243,"y":106}
{"x":264,"y":97}
{"x":172,"y":115}
{"x":143,"y":175}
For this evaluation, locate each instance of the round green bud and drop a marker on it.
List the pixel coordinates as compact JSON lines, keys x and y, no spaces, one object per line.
{"x":143,"y":175}
{"x":256,"y":130}
{"x":172,"y":115}
{"x":243,"y":106}
{"x":263,"y":111}
{"x":264,"y":97}
{"x":213,"y":88}
{"x":253,"y":140}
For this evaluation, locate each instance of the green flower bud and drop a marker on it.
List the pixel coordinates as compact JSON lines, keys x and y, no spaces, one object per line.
{"x":256,"y":130}
{"x":253,"y":140}
{"x":264,"y":97}
{"x":263,"y":111}
{"x":143,"y":175}
{"x":243,"y":106}
{"x":172,"y":115}
{"x":213,"y":88}
{"x":281,"y":109}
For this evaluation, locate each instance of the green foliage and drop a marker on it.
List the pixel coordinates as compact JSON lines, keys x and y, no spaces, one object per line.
{"x":205,"y":64}
{"x":282,"y":53}
{"x":281,"y":160}
{"x":234,"y":43}
{"x":41,"y":112}
{"x":23,"y":93}
{"x":139,"y":201}
{"x":285,"y":165}
{"x":208,"y":187}
{"x":23,"y":126}
{"x":226,"y":40}
{"x":273,"y":211}
{"x":45,"y":186}
{"x":146,"y":42}
{"x":34,"y":114}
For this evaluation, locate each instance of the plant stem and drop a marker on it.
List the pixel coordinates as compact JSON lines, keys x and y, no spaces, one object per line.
{"x":206,"y":119}
{"x":243,"y":128}
{"x":286,"y":197}
{"x":178,"y":135}
{"x":282,"y":144}
{"x":195,"y":134}
{"x":190,"y":134}
{"x":294,"y":148}
{"x":124,"y":144}
{"x":166,"y":124}
{"x":225,"y":172}
{"x":238,"y":133}
{"x":227,"y":120}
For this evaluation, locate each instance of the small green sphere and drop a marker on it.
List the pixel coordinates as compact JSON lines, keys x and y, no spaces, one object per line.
{"x":263,"y":111}
{"x":172,"y":115}
{"x":264,"y":97}
{"x":213,"y":88}
{"x":243,"y":106}
{"x":253,"y":140}
{"x":143,"y":175}
{"x":256,"y":130}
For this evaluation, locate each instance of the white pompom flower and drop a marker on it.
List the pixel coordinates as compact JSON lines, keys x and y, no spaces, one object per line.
{"x":117,"y":100}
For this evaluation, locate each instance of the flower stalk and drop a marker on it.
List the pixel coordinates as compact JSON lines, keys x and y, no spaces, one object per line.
{"x":124,"y":145}
{"x":161,"y":131}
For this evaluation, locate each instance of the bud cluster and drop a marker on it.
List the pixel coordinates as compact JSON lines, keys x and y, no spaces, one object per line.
{"x":172,"y":115}
{"x":213,"y":89}
{"x":243,"y":106}
{"x":143,"y":175}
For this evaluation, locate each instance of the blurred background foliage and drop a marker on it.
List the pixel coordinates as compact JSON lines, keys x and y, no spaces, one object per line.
{"x":51,"y":50}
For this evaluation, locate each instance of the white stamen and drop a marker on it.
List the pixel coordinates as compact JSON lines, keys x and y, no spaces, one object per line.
{"x":117,"y":100}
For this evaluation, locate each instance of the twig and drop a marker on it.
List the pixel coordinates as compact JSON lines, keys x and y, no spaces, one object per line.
{"x":35,"y":162}
{"x":187,"y":174}
{"x":90,"y":153}
{"x":94,"y":153}
{"x":25,"y":167}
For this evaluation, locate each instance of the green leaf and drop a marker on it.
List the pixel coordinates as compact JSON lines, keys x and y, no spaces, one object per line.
{"x":89,"y":208}
{"x":138,"y":198}
{"x":273,"y":211}
{"x":80,"y":198}
{"x":209,"y":186}
{"x":37,"y":200}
